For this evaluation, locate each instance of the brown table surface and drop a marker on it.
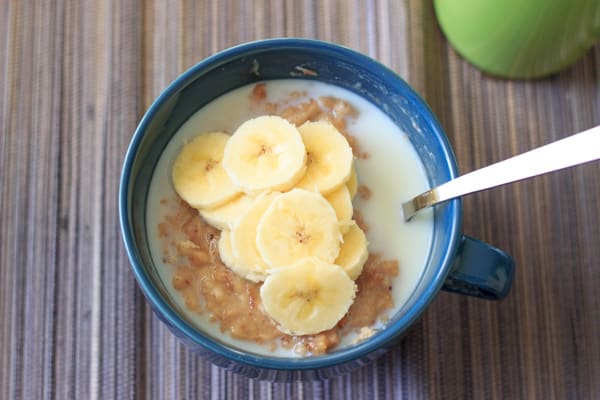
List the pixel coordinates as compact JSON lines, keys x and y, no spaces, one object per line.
{"x":75,"y":78}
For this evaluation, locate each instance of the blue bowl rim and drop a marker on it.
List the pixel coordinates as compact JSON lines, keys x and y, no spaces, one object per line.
{"x":381,"y":339}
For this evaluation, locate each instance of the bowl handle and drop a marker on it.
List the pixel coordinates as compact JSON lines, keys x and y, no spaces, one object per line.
{"x":480,"y":270}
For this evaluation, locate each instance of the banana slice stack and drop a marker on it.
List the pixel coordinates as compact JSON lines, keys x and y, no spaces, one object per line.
{"x":282,"y":197}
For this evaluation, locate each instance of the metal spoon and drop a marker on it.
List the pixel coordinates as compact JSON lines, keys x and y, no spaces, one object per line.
{"x":573,"y":150}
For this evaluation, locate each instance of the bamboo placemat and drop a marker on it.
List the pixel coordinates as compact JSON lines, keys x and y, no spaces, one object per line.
{"x":75,"y":78}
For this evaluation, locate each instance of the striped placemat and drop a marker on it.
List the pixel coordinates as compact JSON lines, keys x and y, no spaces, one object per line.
{"x":75,"y":78}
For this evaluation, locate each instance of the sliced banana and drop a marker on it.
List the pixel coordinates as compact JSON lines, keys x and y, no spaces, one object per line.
{"x":248,"y":260}
{"x":198,"y":174}
{"x":307,"y":297}
{"x":329,"y":157}
{"x":224,"y":216}
{"x":352,"y":183}
{"x":298,"y":224}
{"x":226,"y":252}
{"x":265,"y":153}
{"x":233,"y":263}
{"x":354,"y":252}
{"x":341,"y":202}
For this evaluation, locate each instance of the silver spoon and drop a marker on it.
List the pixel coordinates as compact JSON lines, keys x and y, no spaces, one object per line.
{"x":573,"y":150}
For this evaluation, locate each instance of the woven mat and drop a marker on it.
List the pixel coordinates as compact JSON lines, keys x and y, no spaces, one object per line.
{"x":75,"y":78}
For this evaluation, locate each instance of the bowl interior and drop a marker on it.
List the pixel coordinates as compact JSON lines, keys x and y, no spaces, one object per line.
{"x":284,"y":59}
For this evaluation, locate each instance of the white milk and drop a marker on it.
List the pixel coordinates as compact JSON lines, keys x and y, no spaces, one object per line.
{"x":393,"y":173}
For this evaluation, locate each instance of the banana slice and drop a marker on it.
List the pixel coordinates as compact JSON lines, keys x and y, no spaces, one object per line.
{"x":226,"y":252}
{"x":232,"y":262}
{"x":265,"y":153}
{"x":352,"y":183}
{"x":298,"y":224}
{"x":329,"y":157}
{"x":354,"y":252}
{"x":341,"y":202}
{"x":248,"y":261}
{"x":198,"y":174}
{"x":223,"y":217}
{"x":307,"y":297}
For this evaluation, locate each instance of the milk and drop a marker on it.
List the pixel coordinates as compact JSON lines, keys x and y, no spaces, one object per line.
{"x":393,"y":173}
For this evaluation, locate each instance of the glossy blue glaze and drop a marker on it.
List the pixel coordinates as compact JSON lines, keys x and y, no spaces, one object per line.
{"x":277,"y":59}
{"x":480,"y":270}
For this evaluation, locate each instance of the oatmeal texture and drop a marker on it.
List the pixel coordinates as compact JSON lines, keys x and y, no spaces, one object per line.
{"x":209,"y":288}
{"x":205,"y":284}
{"x":364,"y":192}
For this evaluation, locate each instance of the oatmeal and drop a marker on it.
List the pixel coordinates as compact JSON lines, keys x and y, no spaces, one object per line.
{"x":210,"y":288}
{"x":302,"y":244}
{"x":228,"y":307}
{"x":205,"y":283}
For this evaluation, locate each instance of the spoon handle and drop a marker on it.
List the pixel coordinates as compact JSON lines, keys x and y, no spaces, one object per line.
{"x":573,"y":150}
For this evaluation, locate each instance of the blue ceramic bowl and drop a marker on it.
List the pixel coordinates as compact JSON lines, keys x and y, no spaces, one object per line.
{"x":275,"y":59}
